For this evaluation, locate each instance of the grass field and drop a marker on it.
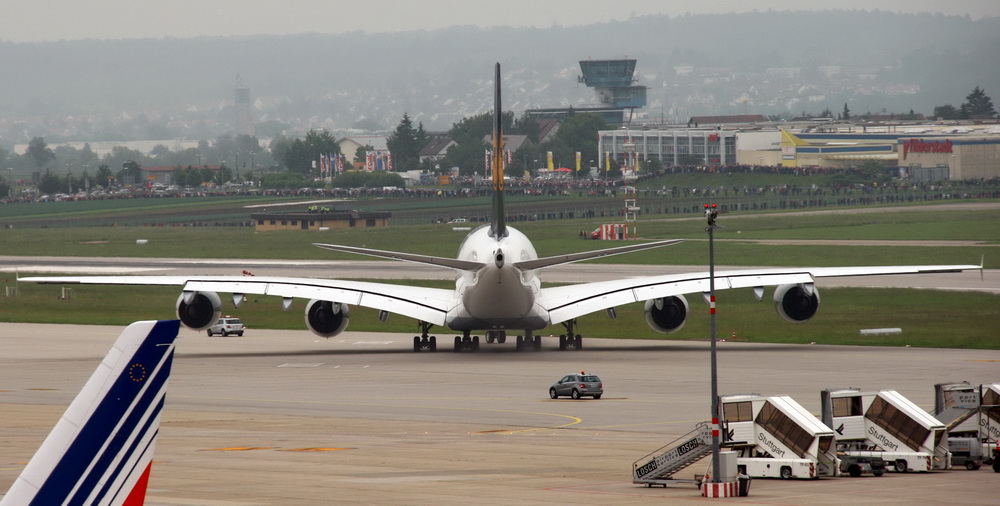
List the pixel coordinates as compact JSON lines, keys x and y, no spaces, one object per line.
{"x":928,"y":318}
{"x":553,"y":237}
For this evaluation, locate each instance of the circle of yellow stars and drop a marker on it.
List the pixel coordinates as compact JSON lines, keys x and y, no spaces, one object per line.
{"x":137,"y":372}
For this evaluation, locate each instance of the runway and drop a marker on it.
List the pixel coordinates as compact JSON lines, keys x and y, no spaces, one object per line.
{"x":282,"y":417}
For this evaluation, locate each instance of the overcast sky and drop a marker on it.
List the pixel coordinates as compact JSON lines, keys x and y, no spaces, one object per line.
{"x":47,"y":20}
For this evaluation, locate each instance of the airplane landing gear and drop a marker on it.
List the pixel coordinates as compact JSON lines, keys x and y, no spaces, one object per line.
{"x":569,"y":340}
{"x":423,"y":341}
{"x":529,"y":342}
{"x":499,"y":336}
{"x":466,"y":342}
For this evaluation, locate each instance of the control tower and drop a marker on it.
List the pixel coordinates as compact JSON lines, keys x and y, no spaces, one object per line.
{"x":243,"y":109}
{"x":614,"y":81}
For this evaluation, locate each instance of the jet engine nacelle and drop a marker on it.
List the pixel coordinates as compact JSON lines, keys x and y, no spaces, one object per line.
{"x":198,"y":310}
{"x":325,"y":318}
{"x":668,"y":314}
{"x":795,"y":303}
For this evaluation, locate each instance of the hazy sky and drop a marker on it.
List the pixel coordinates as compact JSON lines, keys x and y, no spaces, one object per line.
{"x":46,"y":20}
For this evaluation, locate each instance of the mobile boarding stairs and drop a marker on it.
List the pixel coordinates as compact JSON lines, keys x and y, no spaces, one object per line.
{"x":661,"y":466}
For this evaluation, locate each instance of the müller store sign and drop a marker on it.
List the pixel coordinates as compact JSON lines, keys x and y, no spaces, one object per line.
{"x":922,"y":146}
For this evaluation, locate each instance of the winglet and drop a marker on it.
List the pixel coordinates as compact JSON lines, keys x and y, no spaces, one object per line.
{"x":498,"y":228}
{"x":101,"y":450}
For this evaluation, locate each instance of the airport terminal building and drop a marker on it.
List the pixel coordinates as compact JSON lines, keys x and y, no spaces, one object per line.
{"x":922,"y":152}
{"x":670,"y":147}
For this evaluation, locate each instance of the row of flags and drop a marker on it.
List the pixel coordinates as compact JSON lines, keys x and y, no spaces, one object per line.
{"x":378,"y":160}
{"x":331,"y":164}
{"x":489,"y":160}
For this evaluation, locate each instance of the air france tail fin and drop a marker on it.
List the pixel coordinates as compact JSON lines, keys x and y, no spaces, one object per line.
{"x":498,"y":228}
{"x":101,"y":450}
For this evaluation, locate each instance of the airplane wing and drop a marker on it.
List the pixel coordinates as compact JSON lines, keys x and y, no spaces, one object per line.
{"x":567,"y":302}
{"x":425,"y":304}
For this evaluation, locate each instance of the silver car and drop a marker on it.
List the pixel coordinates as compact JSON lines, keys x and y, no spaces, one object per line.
{"x":226,"y":326}
{"x":577,"y":385}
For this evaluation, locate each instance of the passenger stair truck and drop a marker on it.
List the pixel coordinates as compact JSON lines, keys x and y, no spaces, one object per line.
{"x":887,"y":425}
{"x":661,"y":466}
{"x":775,"y":437}
{"x":970,"y":412}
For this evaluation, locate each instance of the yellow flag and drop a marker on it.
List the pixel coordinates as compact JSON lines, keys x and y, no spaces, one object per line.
{"x":578,"y":161}
{"x":551,"y":167}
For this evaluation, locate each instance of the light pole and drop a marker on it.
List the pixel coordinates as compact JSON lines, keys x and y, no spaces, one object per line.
{"x":711,"y":212}
{"x":10,"y":182}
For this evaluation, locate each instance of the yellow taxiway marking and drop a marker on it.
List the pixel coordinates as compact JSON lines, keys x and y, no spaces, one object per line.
{"x":314,"y":449}
{"x":239,"y":448}
{"x":573,"y":420}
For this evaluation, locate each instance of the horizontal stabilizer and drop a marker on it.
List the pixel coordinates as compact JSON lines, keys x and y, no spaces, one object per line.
{"x":541,"y":263}
{"x":450,"y":263}
{"x":101,"y":450}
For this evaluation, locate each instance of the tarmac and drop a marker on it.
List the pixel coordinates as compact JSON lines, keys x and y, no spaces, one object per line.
{"x":284,"y":417}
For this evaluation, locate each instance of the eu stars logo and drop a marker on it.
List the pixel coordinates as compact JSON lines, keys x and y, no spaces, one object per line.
{"x":137,"y":372}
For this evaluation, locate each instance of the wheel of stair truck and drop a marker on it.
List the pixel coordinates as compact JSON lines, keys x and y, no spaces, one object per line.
{"x":900,"y":466}
{"x":786,"y":473}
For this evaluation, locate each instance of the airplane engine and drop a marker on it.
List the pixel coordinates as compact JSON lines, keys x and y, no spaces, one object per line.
{"x":666,"y":315}
{"x":201,"y":311}
{"x":794,"y":304}
{"x":325,"y":318}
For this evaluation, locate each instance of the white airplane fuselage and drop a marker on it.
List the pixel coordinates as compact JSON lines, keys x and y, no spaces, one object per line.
{"x":499,"y":295}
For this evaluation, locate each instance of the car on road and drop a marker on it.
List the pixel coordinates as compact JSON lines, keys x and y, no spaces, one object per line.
{"x":577,"y":385}
{"x":226,"y":326}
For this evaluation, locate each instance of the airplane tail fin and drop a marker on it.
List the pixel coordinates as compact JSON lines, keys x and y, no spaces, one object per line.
{"x":101,"y":450}
{"x":498,"y":227}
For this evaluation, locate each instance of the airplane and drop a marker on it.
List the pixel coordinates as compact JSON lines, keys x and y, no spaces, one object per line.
{"x":101,"y":450}
{"x":498,"y":286}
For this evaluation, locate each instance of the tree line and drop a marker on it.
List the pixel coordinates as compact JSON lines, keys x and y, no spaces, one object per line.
{"x":289,"y":162}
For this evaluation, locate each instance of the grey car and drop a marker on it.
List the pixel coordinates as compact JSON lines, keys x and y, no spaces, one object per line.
{"x":226,"y":326}
{"x":577,"y":385}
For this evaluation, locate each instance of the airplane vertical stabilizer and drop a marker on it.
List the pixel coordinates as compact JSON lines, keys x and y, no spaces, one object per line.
{"x":101,"y":450}
{"x":498,"y":227}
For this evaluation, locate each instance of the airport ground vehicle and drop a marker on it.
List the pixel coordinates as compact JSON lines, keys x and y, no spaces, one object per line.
{"x":970,"y":412}
{"x":776,"y":437}
{"x":855,"y":465}
{"x":577,"y":385}
{"x":226,"y":326}
{"x":887,"y":425}
{"x":966,"y":452}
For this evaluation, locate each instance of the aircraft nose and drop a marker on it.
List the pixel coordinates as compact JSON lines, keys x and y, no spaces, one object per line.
{"x":498,"y":258}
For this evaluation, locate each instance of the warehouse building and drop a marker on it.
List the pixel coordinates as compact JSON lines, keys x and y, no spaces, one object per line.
{"x":320,"y":218}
